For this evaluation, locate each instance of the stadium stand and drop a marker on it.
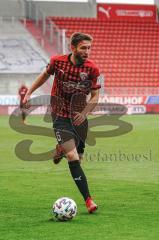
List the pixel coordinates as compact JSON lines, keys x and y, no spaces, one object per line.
{"x":43,"y":40}
{"x":21,"y":59}
{"x":126,"y":52}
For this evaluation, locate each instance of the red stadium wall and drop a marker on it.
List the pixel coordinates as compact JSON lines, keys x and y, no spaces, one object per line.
{"x":152,"y":108}
{"x":146,"y":13}
{"x":9,"y":109}
{"x":131,"y":109}
{"x":107,"y":104}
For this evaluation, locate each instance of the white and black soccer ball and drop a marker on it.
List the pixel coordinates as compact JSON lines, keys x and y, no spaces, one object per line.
{"x":64,"y":209}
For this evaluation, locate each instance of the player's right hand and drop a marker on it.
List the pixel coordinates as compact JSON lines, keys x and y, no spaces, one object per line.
{"x":26,"y":100}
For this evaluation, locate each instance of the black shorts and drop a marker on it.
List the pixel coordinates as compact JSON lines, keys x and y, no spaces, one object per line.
{"x":22,"y":106}
{"x":65,"y":130}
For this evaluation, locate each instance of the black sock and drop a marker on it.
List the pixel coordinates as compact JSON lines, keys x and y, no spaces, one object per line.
{"x":23,"y":116}
{"x":79,"y":178}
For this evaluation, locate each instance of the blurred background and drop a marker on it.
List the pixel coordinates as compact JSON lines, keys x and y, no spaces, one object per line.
{"x":125,"y":48}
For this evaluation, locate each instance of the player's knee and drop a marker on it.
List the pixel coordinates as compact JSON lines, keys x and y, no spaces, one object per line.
{"x":72,"y":155}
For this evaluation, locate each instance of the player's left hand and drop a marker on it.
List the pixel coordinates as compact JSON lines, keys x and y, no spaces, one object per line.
{"x":79,"y":118}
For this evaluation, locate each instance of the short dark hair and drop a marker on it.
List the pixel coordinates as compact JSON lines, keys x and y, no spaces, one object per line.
{"x":78,"y":37}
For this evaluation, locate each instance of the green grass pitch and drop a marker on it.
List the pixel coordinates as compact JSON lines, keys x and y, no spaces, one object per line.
{"x":126,"y":188}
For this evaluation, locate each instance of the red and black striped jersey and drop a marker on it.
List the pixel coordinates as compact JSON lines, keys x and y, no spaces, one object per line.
{"x":72,"y":83}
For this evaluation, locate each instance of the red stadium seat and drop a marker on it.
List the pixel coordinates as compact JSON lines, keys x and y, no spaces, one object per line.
{"x":126,"y":52}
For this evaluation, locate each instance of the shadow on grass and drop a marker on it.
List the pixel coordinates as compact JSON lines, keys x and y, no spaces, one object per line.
{"x":52,"y":220}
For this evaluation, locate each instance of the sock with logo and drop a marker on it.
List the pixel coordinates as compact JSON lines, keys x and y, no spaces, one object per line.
{"x":79,"y":178}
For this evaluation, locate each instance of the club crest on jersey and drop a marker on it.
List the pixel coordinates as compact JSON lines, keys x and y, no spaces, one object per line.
{"x":83,"y":76}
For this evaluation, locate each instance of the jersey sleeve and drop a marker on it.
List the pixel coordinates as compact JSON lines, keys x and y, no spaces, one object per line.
{"x":95,"y":79}
{"x":51,"y":66}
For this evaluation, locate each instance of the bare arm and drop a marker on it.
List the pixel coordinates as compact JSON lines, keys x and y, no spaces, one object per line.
{"x":92,"y":102}
{"x":41,"y":79}
{"x":80,"y":117}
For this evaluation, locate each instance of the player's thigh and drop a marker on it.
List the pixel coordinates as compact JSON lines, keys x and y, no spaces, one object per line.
{"x":64,"y":130}
{"x":81,"y":131}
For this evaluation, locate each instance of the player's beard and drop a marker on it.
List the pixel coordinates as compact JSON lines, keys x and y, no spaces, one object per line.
{"x":79,"y":59}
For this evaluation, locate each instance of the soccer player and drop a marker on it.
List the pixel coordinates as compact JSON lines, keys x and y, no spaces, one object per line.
{"x":75,"y":77}
{"x":21,"y":92}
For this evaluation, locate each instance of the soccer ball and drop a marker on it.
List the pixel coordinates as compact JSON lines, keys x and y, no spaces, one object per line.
{"x":64,"y":209}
